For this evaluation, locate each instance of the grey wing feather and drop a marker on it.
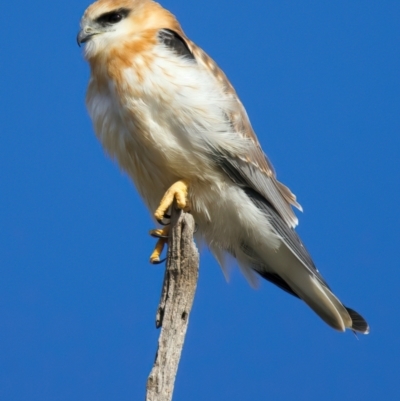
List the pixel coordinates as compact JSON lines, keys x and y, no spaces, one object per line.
{"x":255,"y":174}
{"x":246,"y":174}
{"x":288,"y":235}
{"x":254,"y":169}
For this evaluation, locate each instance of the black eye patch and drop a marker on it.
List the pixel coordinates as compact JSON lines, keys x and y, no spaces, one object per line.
{"x":113,"y":17}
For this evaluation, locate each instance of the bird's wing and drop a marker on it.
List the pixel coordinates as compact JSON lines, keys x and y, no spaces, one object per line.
{"x":251,"y":169}
{"x":289,"y":237}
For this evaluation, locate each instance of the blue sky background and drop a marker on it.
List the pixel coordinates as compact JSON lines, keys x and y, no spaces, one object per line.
{"x":320,"y":81}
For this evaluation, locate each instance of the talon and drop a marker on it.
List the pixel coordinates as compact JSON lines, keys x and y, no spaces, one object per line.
{"x":166,"y":216}
{"x":160,"y":233}
{"x":158,"y":262}
{"x":155,"y":256}
{"x":178,"y":191}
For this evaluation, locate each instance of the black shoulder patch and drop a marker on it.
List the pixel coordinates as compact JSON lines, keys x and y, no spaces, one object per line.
{"x":174,"y":42}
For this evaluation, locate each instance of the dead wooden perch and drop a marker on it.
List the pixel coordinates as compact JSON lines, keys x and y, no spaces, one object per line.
{"x":179,"y":287}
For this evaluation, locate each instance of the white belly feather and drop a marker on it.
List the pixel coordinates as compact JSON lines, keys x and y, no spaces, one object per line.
{"x":163,"y":132}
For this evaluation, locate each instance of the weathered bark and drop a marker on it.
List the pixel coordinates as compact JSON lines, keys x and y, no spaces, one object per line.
{"x":180,"y":281}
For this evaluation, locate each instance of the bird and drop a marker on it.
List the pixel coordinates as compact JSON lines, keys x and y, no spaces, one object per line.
{"x":164,"y":110}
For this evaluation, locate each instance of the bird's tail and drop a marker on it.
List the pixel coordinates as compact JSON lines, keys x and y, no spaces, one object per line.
{"x":322,"y":300}
{"x":294,"y":277}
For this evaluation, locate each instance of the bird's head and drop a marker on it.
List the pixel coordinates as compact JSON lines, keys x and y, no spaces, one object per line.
{"x":109,"y":22}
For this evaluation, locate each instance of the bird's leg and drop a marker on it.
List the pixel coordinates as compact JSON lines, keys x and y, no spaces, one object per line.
{"x":155,"y":256}
{"x":177,"y":191}
{"x":162,"y":235}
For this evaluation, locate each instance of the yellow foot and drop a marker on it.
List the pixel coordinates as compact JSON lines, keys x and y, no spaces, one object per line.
{"x":162,"y":234}
{"x":178,"y":191}
{"x":155,"y":256}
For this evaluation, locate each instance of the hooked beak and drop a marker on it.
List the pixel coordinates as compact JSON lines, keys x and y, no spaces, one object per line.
{"x":83,"y":36}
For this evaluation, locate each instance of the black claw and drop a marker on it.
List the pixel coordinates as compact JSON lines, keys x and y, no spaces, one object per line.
{"x":162,"y":223}
{"x":167,"y":216}
{"x":158,"y":262}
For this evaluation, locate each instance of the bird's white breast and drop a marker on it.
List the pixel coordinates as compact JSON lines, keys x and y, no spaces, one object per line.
{"x":157,"y":120}
{"x":160,"y":121}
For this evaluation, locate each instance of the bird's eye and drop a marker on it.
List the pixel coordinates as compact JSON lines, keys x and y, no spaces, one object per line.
{"x":114,"y":18}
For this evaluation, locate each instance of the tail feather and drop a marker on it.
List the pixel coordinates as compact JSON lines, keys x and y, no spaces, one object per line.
{"x":321,"y":301}
{"x":359,"y":323}
{"x":289,"y":273}
{"x":344,"y":314}
{"x":329,"y":308}
{"x":290,"y":267}
{"x":313,"y":291}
